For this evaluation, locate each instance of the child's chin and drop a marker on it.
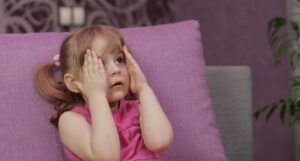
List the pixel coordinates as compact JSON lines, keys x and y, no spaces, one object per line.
{"x":116,"y":97}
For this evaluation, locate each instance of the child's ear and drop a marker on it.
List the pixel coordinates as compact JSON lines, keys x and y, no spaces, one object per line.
{"x":69,"y":80}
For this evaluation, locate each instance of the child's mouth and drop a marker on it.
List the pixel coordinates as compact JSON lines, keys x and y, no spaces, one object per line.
{"x":117,"y":84}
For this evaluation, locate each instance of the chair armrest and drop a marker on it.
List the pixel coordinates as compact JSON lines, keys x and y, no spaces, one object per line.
{"x":231,"y":95}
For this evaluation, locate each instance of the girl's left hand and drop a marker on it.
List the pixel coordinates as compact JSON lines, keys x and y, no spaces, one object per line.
{"x":137,"y":78}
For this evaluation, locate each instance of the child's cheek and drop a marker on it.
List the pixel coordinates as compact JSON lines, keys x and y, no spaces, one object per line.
{"x":123,"y":69}
{"x":124,"y":73}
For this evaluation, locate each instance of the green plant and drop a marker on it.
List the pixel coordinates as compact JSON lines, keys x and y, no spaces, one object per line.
{"x":284,"y":37}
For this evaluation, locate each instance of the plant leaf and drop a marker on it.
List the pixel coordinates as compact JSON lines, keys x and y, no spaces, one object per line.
{"x":256,"y":114}
{"x":271,"y":112}
{"x":295,"y":27}
{"x":292,"y":108}
{"x":293,"y":58}
{"x":275,"y":24}
{"x":273,"y":40}
{"x":261,"y":110}
{"x":296,"y":81}
{"x":295,"y":118}
{"x":282,"y":112}
{"x":281,"y":51}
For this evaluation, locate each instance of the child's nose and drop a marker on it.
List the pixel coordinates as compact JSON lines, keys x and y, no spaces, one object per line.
{"x":114,"y":69}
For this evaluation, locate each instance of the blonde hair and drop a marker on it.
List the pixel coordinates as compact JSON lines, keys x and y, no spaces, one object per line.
{"x":71,"y":59}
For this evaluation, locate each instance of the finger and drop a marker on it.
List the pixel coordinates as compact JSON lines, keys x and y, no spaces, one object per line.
{"x":89,"y":61}
{"x":94,"y":58}
{"x":125,"y":49}
{"x":85,"y":64}
{"x":94,"y":62}
{"x":129,"y":57}
{"x":101,"y":66}
{"x":132,"y":74}
{"x":132,"y":83}
{"x":132,"y":65}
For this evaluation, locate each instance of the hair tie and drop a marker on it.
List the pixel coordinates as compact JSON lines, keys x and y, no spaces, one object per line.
{"x":56,"y":60}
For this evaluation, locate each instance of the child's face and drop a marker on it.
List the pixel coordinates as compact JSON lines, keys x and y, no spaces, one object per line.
{"x":115,"y":69}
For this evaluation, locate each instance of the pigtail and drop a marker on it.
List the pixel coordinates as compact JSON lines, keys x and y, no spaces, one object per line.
{"x":46,"y":85}
{"x":54,"y":91}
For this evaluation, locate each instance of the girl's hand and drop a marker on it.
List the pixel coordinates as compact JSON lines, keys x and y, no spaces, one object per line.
{"x":93,"y":76}
{"x":137,"y":78}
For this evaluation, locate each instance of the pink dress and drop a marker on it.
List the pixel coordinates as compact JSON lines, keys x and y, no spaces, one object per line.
{"x":126,"y":118}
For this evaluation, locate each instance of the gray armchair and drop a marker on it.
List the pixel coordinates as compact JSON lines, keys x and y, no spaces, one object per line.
{"x":230,"y":90}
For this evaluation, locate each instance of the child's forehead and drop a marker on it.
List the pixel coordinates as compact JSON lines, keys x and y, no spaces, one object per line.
{"x":103,"y":46}
{"x":99,"y":44}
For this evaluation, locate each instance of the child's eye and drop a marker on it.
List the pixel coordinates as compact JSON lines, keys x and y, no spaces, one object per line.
{"x":120,"y":60}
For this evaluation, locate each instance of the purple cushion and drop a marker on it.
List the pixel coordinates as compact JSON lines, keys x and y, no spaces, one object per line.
{"x":171,"y":57}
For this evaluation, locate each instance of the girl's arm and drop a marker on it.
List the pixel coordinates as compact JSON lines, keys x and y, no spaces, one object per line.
{"x":104,"y":135}
{"x":156,"y":129}
{"x":100,"y":140}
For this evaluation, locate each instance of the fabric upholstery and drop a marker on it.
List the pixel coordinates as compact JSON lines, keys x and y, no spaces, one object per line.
{"x":230,"y":89}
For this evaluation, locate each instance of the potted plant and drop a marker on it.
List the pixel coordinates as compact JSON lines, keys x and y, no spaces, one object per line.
{"x":283,"y":35}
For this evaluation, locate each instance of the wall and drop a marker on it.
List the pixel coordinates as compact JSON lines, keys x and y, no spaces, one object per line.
{"x":42,"y":16}
{"x":234,"y":33}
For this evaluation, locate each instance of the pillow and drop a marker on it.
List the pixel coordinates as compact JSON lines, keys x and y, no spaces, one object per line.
{"x":171,"y":57}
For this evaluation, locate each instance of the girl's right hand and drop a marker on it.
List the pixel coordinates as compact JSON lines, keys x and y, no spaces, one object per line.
{"x":93,"y":76}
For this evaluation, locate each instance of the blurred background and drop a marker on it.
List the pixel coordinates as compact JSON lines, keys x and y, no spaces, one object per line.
{"x":234,"y":32}
{"x":63,"y":15}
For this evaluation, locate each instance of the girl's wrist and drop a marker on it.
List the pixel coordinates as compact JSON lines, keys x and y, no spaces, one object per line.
{"x":97,"y":98}
{"x":145,"y":88}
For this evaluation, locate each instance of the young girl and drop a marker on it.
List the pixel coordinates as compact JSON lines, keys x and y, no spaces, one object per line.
{"x":95,"y":114}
